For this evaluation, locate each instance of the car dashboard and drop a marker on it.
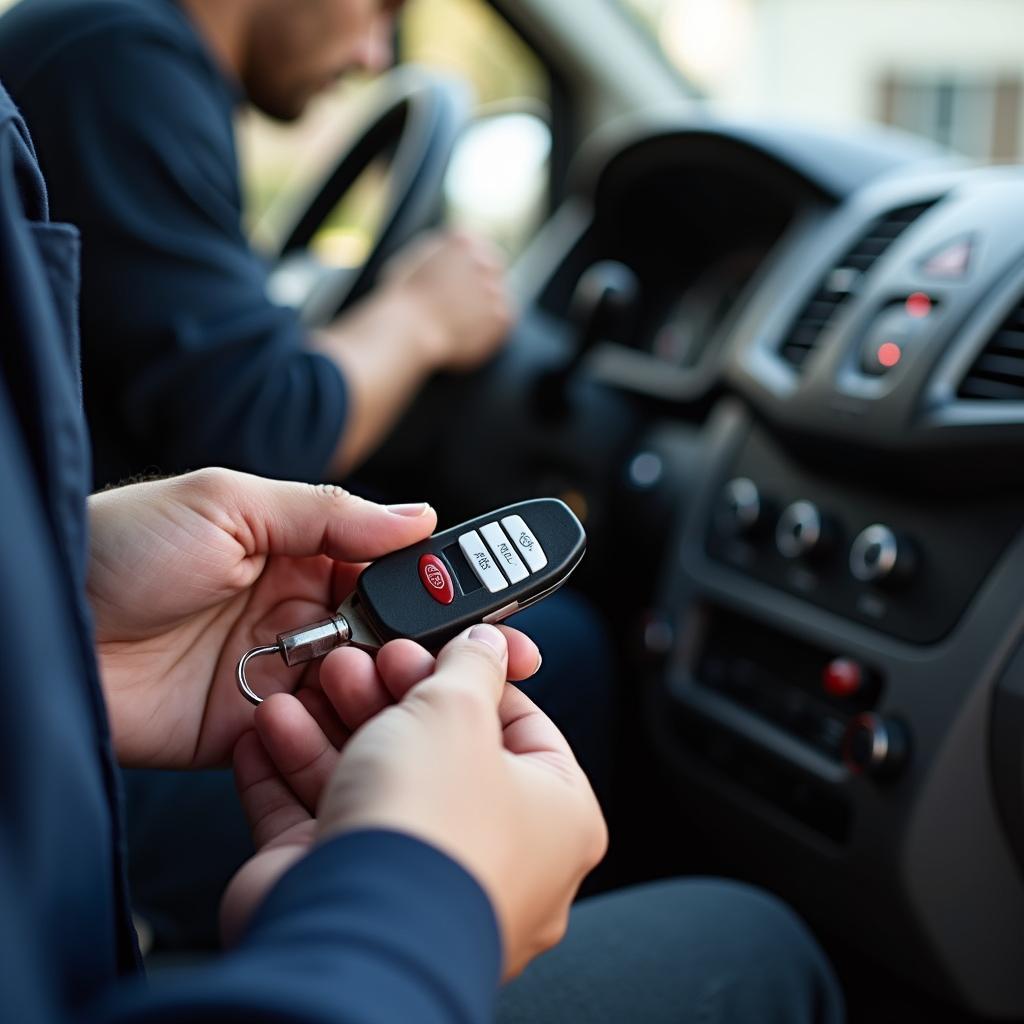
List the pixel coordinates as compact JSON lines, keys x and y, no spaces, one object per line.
{"x":796,"y":438}
{"x":840,"y":604}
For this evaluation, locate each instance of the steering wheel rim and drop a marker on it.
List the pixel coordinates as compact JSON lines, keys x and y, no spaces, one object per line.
{"x":417,"y":115}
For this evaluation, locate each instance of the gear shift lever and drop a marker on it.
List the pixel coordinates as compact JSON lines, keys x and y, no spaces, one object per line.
{"x":604,"y":296}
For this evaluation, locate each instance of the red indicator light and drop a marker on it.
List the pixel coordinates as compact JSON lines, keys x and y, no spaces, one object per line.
{"x":889,"y":354}
{"x":918,"y":305}
{"x":842,"y":678}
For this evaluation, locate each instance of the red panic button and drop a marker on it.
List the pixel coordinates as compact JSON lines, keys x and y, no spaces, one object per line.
{"x":435,"y":578}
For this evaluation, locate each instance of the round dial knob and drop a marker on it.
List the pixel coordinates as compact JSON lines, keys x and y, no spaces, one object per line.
{"x":801,"y":531}
{"x":741,"y":509}
{"x":875,"y":745}
{"x":879,"y":556}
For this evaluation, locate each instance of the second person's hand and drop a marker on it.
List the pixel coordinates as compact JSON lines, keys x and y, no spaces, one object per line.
{"x":445,"y":752}
{"x":457,"y":281}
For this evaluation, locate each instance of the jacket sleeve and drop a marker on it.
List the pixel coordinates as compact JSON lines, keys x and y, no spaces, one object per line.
{"x":371,"y":928}
{"x":186,"y":359}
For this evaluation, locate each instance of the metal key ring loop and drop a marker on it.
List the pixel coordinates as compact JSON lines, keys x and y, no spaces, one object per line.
{"x":243,"y":684}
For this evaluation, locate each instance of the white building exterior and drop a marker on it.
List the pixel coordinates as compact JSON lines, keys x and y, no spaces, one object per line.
{"x":951,"y":69}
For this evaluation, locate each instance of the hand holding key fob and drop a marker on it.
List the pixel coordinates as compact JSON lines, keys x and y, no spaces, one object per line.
{"x":483,"y":570}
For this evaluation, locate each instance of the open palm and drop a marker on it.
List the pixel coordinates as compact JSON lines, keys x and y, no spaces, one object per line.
{"x":186,"y":574}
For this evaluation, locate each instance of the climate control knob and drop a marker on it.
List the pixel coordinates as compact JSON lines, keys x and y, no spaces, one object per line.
{"x":802,"y":531}
{"x":876,"y":746}
{"x":878,"y":556}
{"x":741,"y":510}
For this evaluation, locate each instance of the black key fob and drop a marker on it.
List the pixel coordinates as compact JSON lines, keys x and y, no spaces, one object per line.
{"x":481,"y":571}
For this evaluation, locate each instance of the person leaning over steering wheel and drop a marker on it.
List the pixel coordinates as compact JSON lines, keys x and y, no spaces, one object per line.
{"x":187,"y":361}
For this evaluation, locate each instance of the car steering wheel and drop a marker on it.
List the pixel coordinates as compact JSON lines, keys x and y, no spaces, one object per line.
{"x":414,"y":117}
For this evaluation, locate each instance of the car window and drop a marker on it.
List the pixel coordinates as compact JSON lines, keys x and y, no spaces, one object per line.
{"x":499,"y":179}
{"x":948,"y":70}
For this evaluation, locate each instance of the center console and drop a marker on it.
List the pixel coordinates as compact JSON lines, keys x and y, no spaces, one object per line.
{"x":827,"y":701}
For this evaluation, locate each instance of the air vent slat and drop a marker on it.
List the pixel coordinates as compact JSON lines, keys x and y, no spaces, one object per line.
{"x":819,"y":312}
{"x":844,"y":280}
{"x":874,"y":246}
{"x":997,"y":375}
{"x":1008,"y":341}
{"x":992,"y":390}
{"x":989,"y":365}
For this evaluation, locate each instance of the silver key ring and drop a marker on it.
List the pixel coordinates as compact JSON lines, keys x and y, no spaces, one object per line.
{"x":243,"y":683}
{"x":345,"y":626}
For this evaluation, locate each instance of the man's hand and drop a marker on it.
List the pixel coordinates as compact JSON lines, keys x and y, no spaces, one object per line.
{"x":441,"y":304}
{"x":447,"y":753}
{"x":457,"y":281}
{"x":186,"y":574}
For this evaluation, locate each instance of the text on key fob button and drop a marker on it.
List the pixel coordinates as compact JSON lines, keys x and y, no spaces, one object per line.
{"x":524,"y":539}
{"x":436,"y":580}
{"x":480,"y":558}
{"x":504,"y":551}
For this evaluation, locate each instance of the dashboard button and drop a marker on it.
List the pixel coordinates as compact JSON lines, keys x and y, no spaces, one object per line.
{"x":895,"y":332}
{"x":843,"y":677}
{"x":801,"y":531}
{"x":876,"y":746}
{"x":503,"y":550}
{"x":878,"y":556}
{"x":741,"y":510}
{"x":482,"y":561}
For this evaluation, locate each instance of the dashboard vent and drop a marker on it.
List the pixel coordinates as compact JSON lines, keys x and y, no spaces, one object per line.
{"x":998,"y":373}
{"x":844,"y":280}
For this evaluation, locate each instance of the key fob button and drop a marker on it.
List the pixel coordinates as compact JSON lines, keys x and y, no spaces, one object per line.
{"x":480,"y":558}
{"x":505,"y":553}
{"x":436,"y":579}
{"x":528,"y":545}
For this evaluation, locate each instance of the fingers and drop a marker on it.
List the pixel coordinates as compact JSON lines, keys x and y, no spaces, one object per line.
{"x":299,"y":520}
{"x":476,"y":660}
{"x":527,"y":730}
{"x":353,"y":686}
{"x":402,"y":664}
{"x":296,"y":746}
{"x":523,"y":654}
{"x":316,"y":703}
{"x":270,"y":807}
{"x":358,"y":689}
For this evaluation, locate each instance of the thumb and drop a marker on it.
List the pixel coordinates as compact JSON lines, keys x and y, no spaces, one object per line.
{"x":475,"y":662}
{"x":275,"y":517}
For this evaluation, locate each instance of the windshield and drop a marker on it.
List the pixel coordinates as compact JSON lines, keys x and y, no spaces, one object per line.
{"x":948,"y":70}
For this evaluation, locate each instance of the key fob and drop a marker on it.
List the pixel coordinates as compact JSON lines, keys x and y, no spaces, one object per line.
{"x":481,"y":571}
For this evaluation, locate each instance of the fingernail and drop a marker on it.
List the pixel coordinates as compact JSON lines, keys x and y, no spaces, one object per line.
{"x":540,"y":661}
{"x":411,"y":511}
{"x":494,"y":638}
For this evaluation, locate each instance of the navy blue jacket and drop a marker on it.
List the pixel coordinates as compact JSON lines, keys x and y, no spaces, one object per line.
{"x":371,"y":927}
{"x":187,"y":362}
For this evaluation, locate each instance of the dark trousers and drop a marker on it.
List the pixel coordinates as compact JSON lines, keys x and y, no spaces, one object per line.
{"x":678,"y":952}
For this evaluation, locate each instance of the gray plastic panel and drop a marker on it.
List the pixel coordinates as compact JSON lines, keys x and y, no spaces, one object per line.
{"x":927,"y":880}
